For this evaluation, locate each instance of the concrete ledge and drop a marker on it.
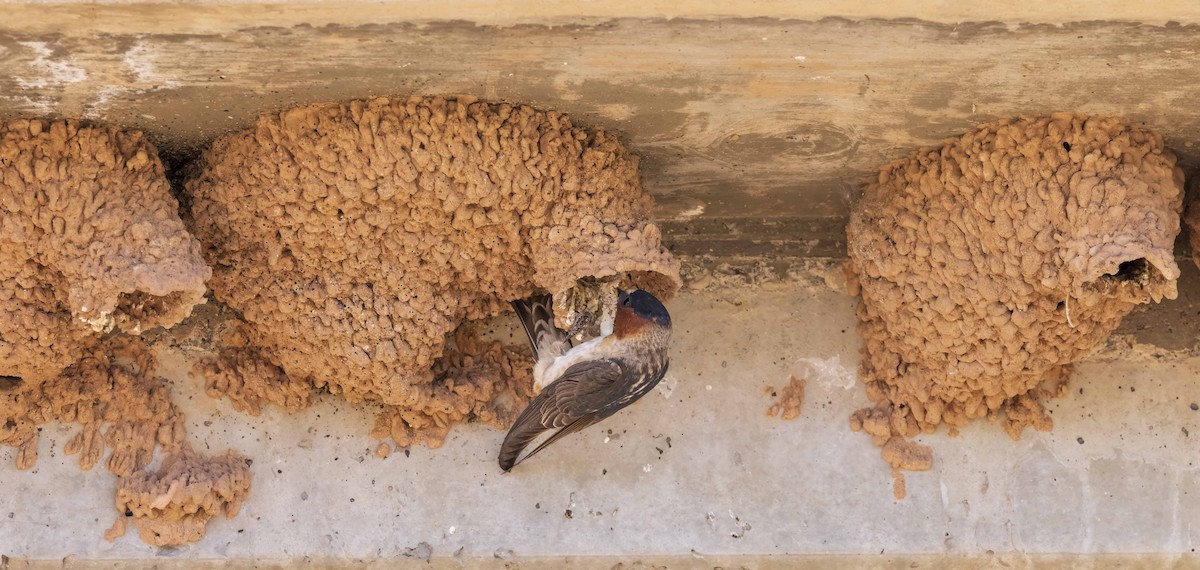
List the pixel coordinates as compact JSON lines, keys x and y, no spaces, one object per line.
{"x":691,"y":562}
{"x":696,"y":467}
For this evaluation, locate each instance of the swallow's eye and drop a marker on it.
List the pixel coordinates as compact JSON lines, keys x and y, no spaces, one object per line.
{"x":625,"y":302}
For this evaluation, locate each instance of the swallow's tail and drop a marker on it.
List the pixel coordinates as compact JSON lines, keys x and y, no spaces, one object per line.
{"x":537,"y":317}
{"x":532,"y":426}
{"x":515,"y":442}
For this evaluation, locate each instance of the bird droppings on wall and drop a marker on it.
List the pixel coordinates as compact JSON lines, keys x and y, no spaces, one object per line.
{"x":989,"y":264}
{"x":90,"y":239}
{"x":355,"y":238}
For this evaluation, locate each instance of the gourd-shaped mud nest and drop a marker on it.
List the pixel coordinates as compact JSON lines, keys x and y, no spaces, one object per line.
{"x":353,"y":238}
{"x":90,"y":238}
{"x":987,"y":265}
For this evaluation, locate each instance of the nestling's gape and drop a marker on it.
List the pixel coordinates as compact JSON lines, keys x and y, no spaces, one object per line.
{"x":587,"y":383}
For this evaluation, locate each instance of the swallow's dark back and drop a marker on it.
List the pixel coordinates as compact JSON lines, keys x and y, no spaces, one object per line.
{"x":601,"y":379}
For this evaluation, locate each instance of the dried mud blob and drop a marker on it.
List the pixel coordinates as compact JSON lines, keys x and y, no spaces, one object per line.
{"x":990,"y":263}
{"x":173,"y":505}
{"x":125,"y":413}
{"x":122,"y":408}
{"x":354,"y":237}
{"x":787,"y":401}
{"x":90,"y":238}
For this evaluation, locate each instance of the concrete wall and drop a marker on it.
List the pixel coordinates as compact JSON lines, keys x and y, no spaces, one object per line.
{"x":757,"y":123}
{"x":695,"y":475}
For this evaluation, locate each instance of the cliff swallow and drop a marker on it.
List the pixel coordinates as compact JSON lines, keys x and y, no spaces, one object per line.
{"x":579,"y":386}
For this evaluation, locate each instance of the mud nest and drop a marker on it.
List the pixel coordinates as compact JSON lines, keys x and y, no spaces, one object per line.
{"x":90,"y":238}
{"x":124,"y":411}
{"x":989,"y":264}
{"x":1191,"y":218}
{"x":355,"y":237}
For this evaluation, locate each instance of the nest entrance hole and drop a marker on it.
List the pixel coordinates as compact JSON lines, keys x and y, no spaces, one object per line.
{"x":1136,"y":270}
{"x":1132,"y":269}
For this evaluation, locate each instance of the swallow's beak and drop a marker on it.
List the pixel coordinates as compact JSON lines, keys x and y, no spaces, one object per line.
{"x":622,"y":296}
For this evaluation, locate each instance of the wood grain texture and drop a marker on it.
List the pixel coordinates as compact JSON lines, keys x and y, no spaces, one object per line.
{"x":737,"y":120}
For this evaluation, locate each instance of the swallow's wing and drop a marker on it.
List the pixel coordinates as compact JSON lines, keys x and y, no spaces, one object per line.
{"x":583,"y":395}
{"x":537,"y":318}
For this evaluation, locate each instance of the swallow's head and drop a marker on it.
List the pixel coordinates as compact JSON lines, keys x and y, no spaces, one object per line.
{"x":637,"y":310}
